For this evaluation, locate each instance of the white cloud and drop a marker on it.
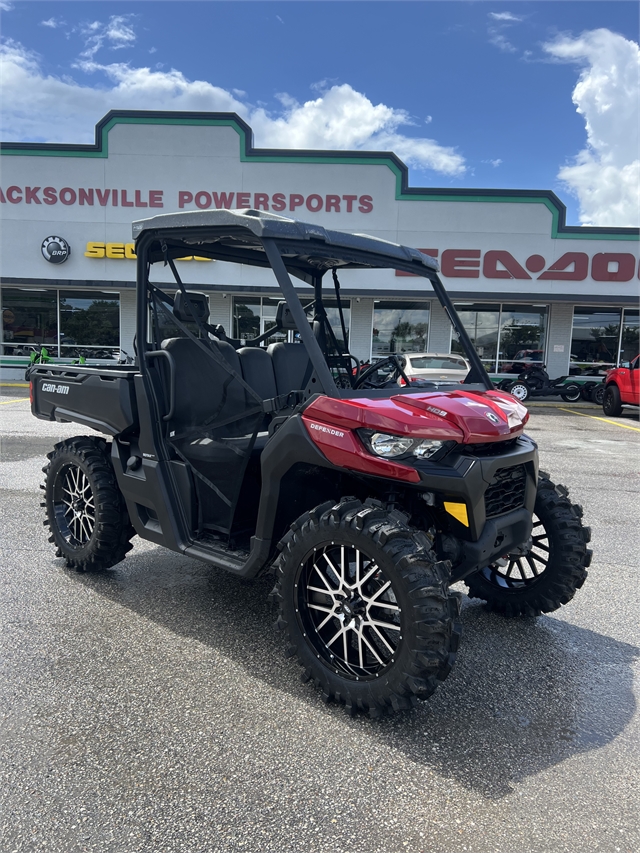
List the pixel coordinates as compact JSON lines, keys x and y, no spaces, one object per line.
{"x":499,"y":41}
{"x":504,"y":16}
{"x":605,"y":176}
{"x":495,"y":163}
{"x":116,"y":34}
{"x":6,"y":6}
{"x":52,"y":23}
{"x":46,"y":108}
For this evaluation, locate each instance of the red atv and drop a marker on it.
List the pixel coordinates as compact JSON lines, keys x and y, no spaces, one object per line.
{"x":367,"y":500}
{"x":622,"y":388}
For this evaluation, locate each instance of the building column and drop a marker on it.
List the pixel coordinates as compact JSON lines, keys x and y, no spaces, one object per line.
{"x":220,"y":311}
{"x":361,"y":330}
{"x":128,"y":320}
{"x":560,"y":329}
{"x":439,"y":329}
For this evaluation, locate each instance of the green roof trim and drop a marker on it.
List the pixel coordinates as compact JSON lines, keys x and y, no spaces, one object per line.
{"x":249,"y":154}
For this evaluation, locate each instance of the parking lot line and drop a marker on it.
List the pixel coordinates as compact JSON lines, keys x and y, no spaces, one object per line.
{"x":615,"y":423}
{"x":6,"y":402}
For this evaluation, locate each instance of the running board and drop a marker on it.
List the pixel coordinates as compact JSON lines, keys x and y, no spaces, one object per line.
{"x":240,"y":563}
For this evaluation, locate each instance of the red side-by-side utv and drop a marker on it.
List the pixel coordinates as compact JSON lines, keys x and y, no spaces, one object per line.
{"x":367,"y":500}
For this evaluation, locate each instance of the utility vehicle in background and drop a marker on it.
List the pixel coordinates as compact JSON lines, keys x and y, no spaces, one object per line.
{"x":367,"y":500}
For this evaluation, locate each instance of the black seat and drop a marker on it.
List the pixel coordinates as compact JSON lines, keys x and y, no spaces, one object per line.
{"x":291,"y":366}
{"x":257,"y":371}
{"x":201,"y":383}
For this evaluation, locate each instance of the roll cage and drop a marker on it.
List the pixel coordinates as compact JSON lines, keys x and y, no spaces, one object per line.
{"x":290,"y":248}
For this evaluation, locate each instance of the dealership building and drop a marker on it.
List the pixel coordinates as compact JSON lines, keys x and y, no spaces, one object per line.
{"x":525,"y":284}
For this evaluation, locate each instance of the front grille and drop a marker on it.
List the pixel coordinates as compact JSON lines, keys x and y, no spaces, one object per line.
{"x":506,"y":490}
{"x":490,"y":448}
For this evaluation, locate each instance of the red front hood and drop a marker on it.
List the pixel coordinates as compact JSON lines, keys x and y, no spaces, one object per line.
{"x":471,"y":417}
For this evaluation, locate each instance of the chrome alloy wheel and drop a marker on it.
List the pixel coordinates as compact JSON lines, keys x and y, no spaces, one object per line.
{"x":516,"y":571}
{"x":348,"y":611}
{"x":74,"y":506}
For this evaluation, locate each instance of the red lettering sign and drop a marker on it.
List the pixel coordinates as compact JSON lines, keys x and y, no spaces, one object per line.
{"x":512,"y":268}
{"x":625,"y":266}
{"x":559,"y":270}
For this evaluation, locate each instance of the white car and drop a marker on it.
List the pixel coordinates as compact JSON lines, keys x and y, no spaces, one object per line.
{"x":434,"y":366}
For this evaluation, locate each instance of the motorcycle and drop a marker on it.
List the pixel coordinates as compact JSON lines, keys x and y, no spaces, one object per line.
{"x":534,"y":381}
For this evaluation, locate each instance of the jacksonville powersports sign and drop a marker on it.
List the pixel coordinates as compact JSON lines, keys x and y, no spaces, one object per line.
{"x":148,"y":163}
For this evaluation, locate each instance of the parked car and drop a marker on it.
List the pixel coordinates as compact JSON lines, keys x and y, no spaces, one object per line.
{"x":622,"y":387}
{"x":434,"y":365}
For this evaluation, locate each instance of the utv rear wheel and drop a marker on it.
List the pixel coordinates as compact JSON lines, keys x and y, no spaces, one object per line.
{"x":366,"y":607}
{"x":85,"y":510}
{"x":547,"y":574}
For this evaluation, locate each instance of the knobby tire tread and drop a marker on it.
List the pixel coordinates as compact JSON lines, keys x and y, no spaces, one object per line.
{"x":566,"y":571}
{"x":429,"y":659}
{"x":110,"y":541}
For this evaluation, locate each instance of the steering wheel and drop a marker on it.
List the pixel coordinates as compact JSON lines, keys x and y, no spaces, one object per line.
{"x":366,"y":380}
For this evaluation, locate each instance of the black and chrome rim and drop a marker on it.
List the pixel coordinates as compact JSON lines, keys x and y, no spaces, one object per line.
{"x":516,"y":571}
{"x":348,"y":611}
{"x":74,"y":506}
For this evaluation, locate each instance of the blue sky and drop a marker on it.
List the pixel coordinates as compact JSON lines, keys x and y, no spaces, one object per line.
{"x":540,"y":95}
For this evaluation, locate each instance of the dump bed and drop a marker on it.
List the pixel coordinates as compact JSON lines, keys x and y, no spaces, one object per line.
{"x":102,"y":398}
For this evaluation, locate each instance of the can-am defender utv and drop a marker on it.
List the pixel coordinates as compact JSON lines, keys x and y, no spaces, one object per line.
{"x":367,"y":499}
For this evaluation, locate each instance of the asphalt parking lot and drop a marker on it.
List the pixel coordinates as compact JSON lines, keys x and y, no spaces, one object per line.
{"x":152,"y":708}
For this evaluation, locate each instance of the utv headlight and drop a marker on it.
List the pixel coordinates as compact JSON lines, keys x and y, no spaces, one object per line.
{"x":396,"y":446}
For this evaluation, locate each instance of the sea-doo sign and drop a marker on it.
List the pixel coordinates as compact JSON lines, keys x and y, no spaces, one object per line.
{"x":56,"y":250}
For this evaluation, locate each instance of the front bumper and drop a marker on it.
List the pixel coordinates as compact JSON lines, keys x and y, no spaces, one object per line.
{"x":497,"y":486}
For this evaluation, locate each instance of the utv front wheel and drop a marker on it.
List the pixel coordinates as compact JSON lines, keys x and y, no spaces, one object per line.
{"x":542,"y":577}
{"x":366,"y":606}
{"x":85,"y":510}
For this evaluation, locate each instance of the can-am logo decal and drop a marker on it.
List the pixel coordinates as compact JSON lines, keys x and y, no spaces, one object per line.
{"x":55,"y":389}
{"x":493,"y":418}
{"x":56,"y":250}
{"x":328,"y":430}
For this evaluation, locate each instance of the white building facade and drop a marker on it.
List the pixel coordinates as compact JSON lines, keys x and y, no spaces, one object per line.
{"x":525,"y":284}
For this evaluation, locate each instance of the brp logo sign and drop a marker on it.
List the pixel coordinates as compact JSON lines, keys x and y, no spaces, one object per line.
{"x":55,"y":250}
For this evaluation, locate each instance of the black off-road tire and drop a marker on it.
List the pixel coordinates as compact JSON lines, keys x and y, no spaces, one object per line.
{"x":552,"y":570}
{"x":395,"y":581}
{"x":84,"y":507}
{"x":598,"y":394}
{"x":611,"y":402}
{"x":572,"y":393}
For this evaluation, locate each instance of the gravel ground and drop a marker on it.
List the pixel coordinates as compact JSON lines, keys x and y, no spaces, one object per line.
{"x":152,"y":708}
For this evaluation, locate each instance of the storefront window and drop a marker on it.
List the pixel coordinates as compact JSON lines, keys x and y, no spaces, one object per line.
{"x":252,"y":317}
{"x":89,"y":320}
{"x":522,"y":336}
{"x":629,"y":342}
{"x":595,"y":336}
{"x":399,"y":327}
{"x":246,"y":317}
{"x":506,"y":337}
{"x":29,"y":320}
{"x":482,"y":324}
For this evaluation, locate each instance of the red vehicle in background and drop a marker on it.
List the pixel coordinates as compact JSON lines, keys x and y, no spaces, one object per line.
{"x":622,"y":388}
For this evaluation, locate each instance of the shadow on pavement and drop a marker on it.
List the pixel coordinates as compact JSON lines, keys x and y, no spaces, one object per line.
{"x":523,"y":696}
